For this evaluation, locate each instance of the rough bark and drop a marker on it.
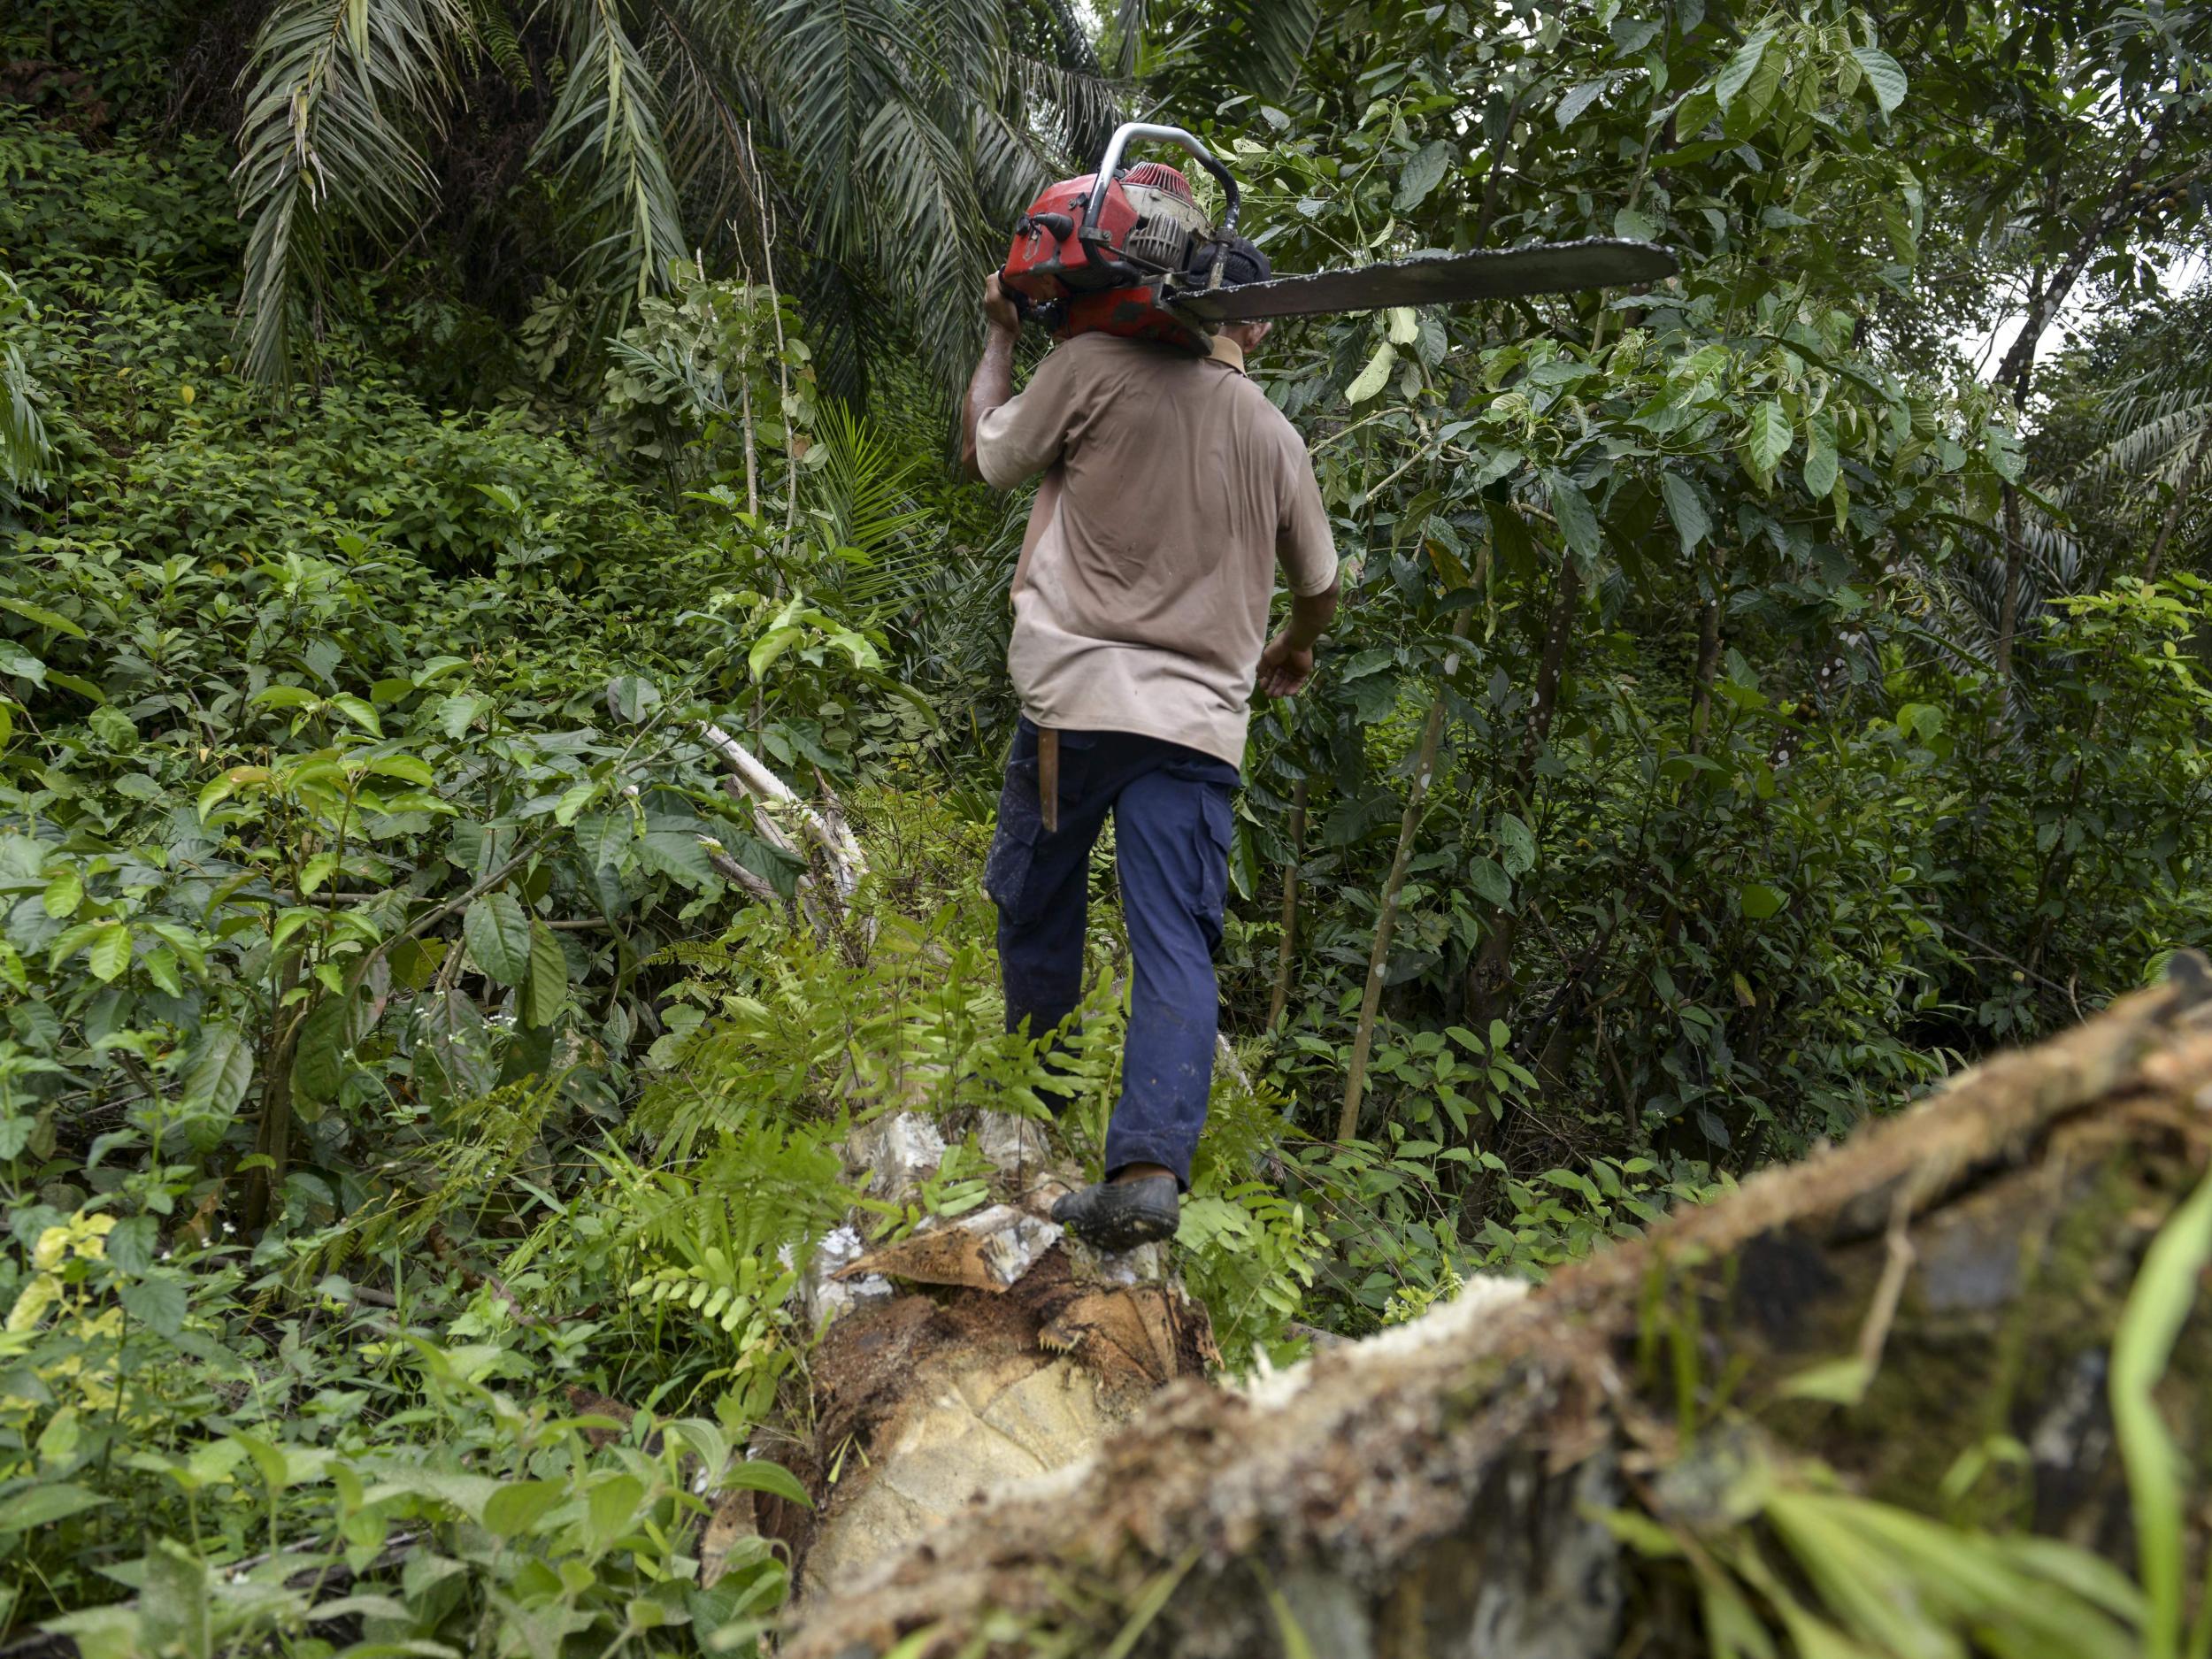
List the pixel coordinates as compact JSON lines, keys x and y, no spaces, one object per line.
{"x":1438,"y":1497}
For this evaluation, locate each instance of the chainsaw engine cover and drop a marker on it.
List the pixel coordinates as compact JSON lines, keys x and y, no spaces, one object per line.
{"x":1112,"y":282}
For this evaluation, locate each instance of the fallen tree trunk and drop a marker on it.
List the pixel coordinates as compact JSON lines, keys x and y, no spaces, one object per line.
{"x":1602,"y":1468}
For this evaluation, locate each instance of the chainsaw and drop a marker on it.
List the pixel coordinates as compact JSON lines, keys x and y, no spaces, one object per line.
{"x":1130,"y":252}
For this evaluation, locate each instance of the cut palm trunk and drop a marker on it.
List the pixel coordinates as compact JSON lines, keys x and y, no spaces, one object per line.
{"x":1657,"y":1437}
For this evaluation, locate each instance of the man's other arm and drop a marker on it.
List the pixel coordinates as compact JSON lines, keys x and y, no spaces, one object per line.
{"x":1307,"y":552}
{"x":1286,"y":665}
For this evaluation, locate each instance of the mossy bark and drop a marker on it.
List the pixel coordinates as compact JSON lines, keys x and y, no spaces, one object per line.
{"x":1445,"y":1499}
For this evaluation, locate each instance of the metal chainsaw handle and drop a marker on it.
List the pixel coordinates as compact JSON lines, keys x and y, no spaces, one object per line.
{"x":1135,"y":131}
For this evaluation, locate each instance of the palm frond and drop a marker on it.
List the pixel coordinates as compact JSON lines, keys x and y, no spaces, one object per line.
{"x":342,"y":91}
{"x":606,"y":134}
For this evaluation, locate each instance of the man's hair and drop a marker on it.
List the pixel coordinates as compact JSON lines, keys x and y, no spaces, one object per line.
{"x":1244,"y":262}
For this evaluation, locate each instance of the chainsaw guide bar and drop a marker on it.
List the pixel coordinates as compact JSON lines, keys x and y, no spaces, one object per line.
{"x":1436,"y":280}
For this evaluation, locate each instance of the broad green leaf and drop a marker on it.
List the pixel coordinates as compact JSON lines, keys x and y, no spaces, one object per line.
{"x":1767,"y":440}
{"x":15,"y":660}
{"x":284,"y":697}
{"x":756,"y":1474}
{"x":1690,"y":522}
{"x":498,"y":935}
{"x":1741,"y":67}
{"x":678,"y":854}
{"x":573,"y":800}
{"x":359,"y":711}
{"x":221,"y":1067}
{"x":111,"y":952}
{"x":1517,"y":847}
{"x":174,"y":1605}
{"x":1580,"y":98}
{"x":1421,"y":174}
{"x":519,"y":1505}
{"x":43,"y":1505}
{"x":1374,"y":376}
{"x":64,"y":894}
{"x":157,"y":1302}
{"x":1820,"y":457}
{"x":547,"y":987}
{"x":44,"y":618}
{"x":1404,"y":324}
{"x":608,"y":1509}
{"x":407,"y":768}
{"x":319,"y":1056}
{"x":1885,"y":77}
{"x":1578,"y":520}
{"x":1760,"y":900}
{"x":456,"y":713}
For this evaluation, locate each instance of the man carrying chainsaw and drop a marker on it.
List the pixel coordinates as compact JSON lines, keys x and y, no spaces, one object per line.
{"x":1171,"y":490}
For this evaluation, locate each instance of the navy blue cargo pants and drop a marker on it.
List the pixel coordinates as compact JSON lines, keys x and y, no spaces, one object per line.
{"x":1171,"y":808}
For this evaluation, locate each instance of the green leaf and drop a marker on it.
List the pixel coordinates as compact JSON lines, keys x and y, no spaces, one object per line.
{"x":173,"y":1606}
{"x":1820,"y":457}
{"x":157,"y":1303}
{"x":284,"y":697}
{"x":221,"y":1067}
{"x":1577,"y":521}
{"x":547,"y":987}
{"x":519,"y":1505}
{"x":15,"y":660}
{"x":757,"y":1474}
{"x":359,"y":711}
{"x":1579,"y":98}
{"x":1885,"y":77}
{"x":1687,"y":513}
{"x":1374,"y":376}
{"x":678,"y":854}
{"x":1760,"y":900}
{"x":1767,"y":440}
{"x":111,"y":952}
{"x":1741,"y":67}
{"x":407,"y":768}
{"x":498,"y":935}
{"x":318,"y":1058}
{"x":613,"y":1502}
{"x":1517,"y":847}
{"x":1421,"y":174}
{"x":2157,"y":1307}
{"x":43,"y":1505}
{"x":64,"y":894}
{"x":44,"y":618}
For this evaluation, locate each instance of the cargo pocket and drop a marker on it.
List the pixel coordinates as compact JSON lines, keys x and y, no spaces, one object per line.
{"x":1014,"y":842}
{"x":1214,"y":830}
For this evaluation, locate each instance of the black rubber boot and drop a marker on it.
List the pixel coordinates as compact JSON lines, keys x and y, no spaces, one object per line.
{"x":1118,"y":1215}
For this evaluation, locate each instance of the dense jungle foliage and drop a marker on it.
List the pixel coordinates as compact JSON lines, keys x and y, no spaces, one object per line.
{"x":419,"y":418}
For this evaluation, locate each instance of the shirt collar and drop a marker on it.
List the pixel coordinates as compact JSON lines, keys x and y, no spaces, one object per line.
{"x":1227,"y":350}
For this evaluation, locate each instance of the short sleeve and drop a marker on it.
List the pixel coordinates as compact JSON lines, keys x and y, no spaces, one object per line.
{"x":1303,"y":545}
{"x":1023,"y":436}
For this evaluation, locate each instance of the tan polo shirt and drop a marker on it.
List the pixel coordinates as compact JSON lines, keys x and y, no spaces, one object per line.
{"x":1171,"y":490}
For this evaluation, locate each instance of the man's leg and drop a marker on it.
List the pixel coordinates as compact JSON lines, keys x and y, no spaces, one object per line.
{"x":1171,"y":841}
{"x":1040,"y":881}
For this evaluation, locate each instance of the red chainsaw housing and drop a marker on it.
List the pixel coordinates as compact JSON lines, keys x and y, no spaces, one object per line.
{"x":1086,"y":287}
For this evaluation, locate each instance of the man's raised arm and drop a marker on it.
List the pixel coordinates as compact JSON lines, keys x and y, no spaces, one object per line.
{"x":992,"y":382}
